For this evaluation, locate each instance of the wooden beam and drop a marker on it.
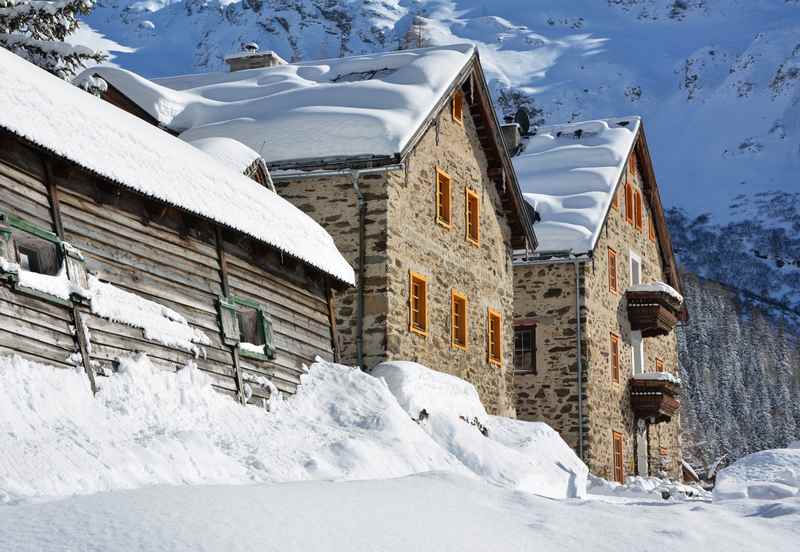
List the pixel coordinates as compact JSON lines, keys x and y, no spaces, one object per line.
{"x":337,"y":355}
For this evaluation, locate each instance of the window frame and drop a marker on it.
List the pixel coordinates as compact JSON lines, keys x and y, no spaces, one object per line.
{"x":613,"y":283}
{"x":614,"y":357}
{"x":534,"y":369}
{"x":456,"y":297}
{"x":457,"y":107}
{"x":448,"y":222}
{"x":471,"y":194}
{"x":412,"y":277}
{"x":617,"y":438}
{"x":494,"y":338}
{"x":230,"y":304}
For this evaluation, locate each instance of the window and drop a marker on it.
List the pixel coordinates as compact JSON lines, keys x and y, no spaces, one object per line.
{"x":628,"y":203}
{"x":636,"y":269}
{"x":615,"y":200}
{"x":458,"y":107}
{"x":637,"y":210}
{"x":458,"y":316}
{"x":619,"y":470}
{"x":443,"y":194}
{"x":613,"y":281}
{"x":246,"y":325}
{"x":34,"y":249}
{"x":418,"y":304}
{"x":651,"y":227}
{"x":614,"y":357}
{"x":525,"y":350}
{"x":473,"y":217}
{"x":659,"y":365}
{"x":495,"y":353}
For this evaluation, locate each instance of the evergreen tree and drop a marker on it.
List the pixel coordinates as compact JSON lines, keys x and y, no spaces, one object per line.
{"x":36,"y":29}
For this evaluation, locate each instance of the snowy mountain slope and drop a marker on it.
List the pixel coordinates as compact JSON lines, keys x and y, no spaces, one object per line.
{"x":717,"y":81}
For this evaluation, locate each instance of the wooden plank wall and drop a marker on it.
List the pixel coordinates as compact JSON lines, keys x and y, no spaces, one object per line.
{"x":154,"y":252}
{"x":33,"y":328}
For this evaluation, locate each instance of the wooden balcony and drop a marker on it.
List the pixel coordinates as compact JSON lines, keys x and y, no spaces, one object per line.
{"x":653,"y":313}
{"x":658,"y":400}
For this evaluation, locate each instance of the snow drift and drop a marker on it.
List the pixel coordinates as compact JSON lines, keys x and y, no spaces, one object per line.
{"x":767,"y":474}
{"x":147,"y":427}
{"x":529,"y":456}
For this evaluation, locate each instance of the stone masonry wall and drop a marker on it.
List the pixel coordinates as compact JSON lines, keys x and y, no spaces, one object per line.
{"x":608,"y":406}
{"x":483,"y":273}
{"x":332,"y":202}
{"x":545,"y":295}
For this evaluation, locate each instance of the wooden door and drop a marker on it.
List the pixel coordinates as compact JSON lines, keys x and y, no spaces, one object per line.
{"x":619,"y":471}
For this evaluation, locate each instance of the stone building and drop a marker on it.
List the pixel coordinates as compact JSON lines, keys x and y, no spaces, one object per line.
{"x":606,"y":378}
{"x":401,"y":158}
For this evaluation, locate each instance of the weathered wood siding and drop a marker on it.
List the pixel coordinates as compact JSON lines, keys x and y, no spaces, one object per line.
{"x":159,"y":254}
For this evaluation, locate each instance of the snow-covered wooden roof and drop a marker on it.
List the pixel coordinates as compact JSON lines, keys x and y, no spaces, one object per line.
{"x":97,"y":136}
{"x":568,"y":173}
{"x":360,"y":106}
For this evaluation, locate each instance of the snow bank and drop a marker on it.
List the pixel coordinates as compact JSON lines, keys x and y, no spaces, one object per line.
{"x":522,"y":455}
{"x":107,"y":141}
{"x":646,"y":487}
{"x":147,"y":426}
{"x":768,"y":474}
{"x":568,"y":172}
{"x":368,"y":105}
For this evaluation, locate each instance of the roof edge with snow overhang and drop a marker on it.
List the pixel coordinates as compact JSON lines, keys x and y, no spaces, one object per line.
{"x":58,"y":117}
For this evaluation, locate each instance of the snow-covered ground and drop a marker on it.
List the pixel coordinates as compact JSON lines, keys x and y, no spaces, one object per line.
{"x":404,"y":460}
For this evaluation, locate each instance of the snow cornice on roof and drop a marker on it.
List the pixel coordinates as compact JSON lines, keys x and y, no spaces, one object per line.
{"x":74,"y":125}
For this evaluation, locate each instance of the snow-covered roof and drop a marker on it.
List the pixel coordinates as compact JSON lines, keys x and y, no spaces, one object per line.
{"x":568,"y":173}
{"x":103,"y":139}
{"x":227,"y":151}
{"x":369,"y":105}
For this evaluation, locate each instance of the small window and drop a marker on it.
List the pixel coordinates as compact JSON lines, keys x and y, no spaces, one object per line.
{"x":458,"y":107}
{"x":614,"y":357}
{"x":473,"y":217}
{"x":637,"y":210}
{"x":246,"y":325}
{"x":443,"y":195}
{"x":459,"y":321}
{"x":495,"y":353}
{"x":418,"y":304}
{"x":659,"y":365}
{"x":619,"y":468}
{"x":525,"y":350}
{"x":628,"y":203}
{"x":615,"y":200}
{"x":651,"y":227}
{"x":613,"y":281}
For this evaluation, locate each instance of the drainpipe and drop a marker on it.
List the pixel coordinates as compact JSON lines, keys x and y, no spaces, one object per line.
{"x":579,"y":356}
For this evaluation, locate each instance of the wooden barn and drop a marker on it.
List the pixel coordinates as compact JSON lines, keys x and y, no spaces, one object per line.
{"x":118,"y":239}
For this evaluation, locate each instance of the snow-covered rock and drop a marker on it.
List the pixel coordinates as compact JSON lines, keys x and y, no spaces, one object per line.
{"x":646,"y":487}
{"x":529,"y":456}
{"x":767,"y":474}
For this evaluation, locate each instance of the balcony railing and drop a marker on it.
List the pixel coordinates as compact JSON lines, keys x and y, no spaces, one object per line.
{"x":653,"y":312}
{"x":655,"y":398}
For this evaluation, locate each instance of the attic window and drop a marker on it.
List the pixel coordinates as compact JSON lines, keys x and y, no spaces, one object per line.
{"x":628,"y":203}
{"x":651,"y":228}
{"x":246,"y":325}
{"x":363,"y":75}
{"x":637,"y":210}
{"x":494,"y":337}
{"x":458,"y":107}
{"x":613,"y":280}
{"x":473,"y":217}
{"x":443,"y":199}
{"x":615,"y":201}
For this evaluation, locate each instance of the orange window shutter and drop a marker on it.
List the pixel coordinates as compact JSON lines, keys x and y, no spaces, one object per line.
{"x":651,"y":227}
{"x":638,"y":209}
{"x":612,"y":270}
{"x":472,"y":216}
{"x":659,"y":365}
{"x":619,"y":469}
{"x":495,"y":337}
{"x":615,"y":201}
{"x":628,"y":203}
{"x":614,"y":358}
{"x":458,"y":107}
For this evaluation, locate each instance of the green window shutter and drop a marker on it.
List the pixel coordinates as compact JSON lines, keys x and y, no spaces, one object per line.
{"x":229,"y":320}
{"x":266,"y":330}
{"x":76,"y":266}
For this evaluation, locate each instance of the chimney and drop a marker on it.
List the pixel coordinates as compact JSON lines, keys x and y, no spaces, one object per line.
{"x":252,"y":58}
{"x":512,"y":137}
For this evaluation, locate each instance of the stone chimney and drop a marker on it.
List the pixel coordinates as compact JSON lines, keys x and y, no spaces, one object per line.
{"x":512,"y":136}
{"x":252,"y":58}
